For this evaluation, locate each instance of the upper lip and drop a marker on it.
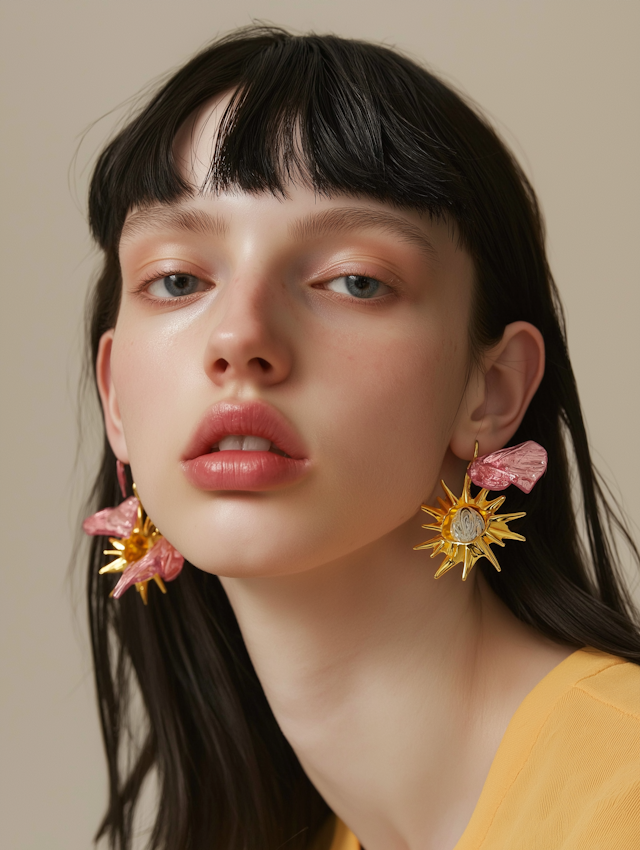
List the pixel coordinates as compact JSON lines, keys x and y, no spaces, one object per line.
{"x":255,"y":418}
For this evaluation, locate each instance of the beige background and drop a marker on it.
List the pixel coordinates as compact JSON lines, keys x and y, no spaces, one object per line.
{"x":560,"y":77}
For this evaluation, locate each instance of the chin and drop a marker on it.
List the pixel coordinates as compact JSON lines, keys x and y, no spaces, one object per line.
{"x":251,"y":552}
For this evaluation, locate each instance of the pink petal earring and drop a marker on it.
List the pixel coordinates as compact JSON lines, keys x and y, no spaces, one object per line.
{"x":468,"y":526}
{"x":141,"y":552}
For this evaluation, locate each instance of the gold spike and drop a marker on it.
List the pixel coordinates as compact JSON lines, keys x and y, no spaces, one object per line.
{"x":116,"y":566}
{"x":500,"y":530}
{"x":452,"y":498}
{"x":495,"y":504}
{"x":508,"y":517}
{"x":434,"y":512}
{"x":160,"y":583}
{"x":445,"y":567}
{"x":143,"y":590}
{"x":433,"y":527}
{"x":494,"y":525}
{"x":437,"y":549}
{"x":511,"y":535}
{"x":488,"y":554}
{"x":429,"y":544}
{"x":468,"y":562}
{"x":490,"y":538}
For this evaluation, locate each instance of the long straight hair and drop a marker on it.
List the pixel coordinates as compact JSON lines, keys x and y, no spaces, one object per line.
{"x":343,"y":117}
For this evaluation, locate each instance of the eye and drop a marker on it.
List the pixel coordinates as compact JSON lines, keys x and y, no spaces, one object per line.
{"x":175,"y":285}
{"x":358,"y":286}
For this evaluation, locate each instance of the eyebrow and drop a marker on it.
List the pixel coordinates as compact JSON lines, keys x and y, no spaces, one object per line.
{"x":313,"y":226}
{"x":347,"y":219}
{"x":176,"y":218}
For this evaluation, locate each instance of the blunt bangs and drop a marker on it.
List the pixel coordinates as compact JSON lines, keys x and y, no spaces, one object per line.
{"x":342,"y":117}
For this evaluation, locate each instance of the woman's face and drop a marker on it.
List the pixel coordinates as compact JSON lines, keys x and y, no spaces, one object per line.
{"x":334,"y":331}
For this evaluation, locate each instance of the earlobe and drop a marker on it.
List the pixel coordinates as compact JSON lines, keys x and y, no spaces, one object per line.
{"x":500,"y":390}
{"x":108,"y":398}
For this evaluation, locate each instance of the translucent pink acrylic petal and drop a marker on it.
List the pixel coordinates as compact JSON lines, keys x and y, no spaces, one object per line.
{"x":142,"y":570}
{"x":114,"y":522}
{"x":171,"y":561}
{"x":162,"y":560}
{"x":522,"y":465}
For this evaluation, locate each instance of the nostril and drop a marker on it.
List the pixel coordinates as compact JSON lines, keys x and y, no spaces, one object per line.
{"x":263,"y":364}
{"x":220,"y":366}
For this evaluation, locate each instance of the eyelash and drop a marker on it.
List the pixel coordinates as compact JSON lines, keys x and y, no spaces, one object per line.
{"x":152,"y":278}
{"x":377,"y":300}
{"x":143,"y":286}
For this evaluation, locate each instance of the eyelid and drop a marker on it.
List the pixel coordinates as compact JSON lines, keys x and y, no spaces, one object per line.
{"x":143,"y":285}
{"x":358,"y":268}
{"x":394,"y":286}
{"x":376,"y":297}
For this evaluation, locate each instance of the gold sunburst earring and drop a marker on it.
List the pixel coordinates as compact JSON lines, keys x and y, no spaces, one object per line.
{"x":469,"y":525}
{"x":141,"y":552}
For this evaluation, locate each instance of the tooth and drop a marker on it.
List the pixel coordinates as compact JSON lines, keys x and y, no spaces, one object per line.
{"x":256,"y":444}
{"x":230,"y":444}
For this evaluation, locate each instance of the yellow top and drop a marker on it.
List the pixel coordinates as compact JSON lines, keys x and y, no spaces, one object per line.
{"x":566,"y":775}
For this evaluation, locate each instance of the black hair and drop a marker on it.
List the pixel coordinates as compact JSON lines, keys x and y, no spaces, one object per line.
{"x":344,"y":117}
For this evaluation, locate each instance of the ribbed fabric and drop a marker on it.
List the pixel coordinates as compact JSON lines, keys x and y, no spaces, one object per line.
{"x":566,"y":775}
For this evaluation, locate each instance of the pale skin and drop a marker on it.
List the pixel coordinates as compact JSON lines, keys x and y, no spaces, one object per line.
{"x":393,"y":689}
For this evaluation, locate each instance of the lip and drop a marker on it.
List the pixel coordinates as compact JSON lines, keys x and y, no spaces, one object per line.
{"x":244,"y":470}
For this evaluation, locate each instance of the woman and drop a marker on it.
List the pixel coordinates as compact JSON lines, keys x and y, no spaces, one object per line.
{"x":324,"y":287}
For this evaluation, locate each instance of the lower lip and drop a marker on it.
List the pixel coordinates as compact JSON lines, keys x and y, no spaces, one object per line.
{"x":238,"y":470}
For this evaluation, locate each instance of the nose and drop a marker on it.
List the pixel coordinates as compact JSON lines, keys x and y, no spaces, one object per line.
{"x":248,"y":343}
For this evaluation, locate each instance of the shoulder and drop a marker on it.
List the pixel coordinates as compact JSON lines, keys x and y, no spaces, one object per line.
{"x":592,"y":740}
{"x":581,"y":775}
{"x":588,"y":690}
{"x":599,"y":709}
{"x":590,"y":724}
{"x":567,"y":774}
{"x":614,"y":683}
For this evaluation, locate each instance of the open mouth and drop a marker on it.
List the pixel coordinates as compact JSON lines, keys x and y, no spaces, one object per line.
{"x":248,"y":446}
{"x":247,"y":443}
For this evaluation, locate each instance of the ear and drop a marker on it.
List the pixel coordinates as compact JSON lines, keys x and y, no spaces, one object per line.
{"x":106,"y":389}
{"x":499,"y":391}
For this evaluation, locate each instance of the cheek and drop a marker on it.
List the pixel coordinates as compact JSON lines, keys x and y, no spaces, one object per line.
{"x":150,"y":372}
{"x":392,"y":404}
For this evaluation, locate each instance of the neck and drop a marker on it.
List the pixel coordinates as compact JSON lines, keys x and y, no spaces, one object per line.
{"x":393,"y":689}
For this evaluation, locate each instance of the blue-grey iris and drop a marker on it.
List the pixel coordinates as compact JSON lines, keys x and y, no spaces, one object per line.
{"x":180,"y":284}
{"x":361,"y":287}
